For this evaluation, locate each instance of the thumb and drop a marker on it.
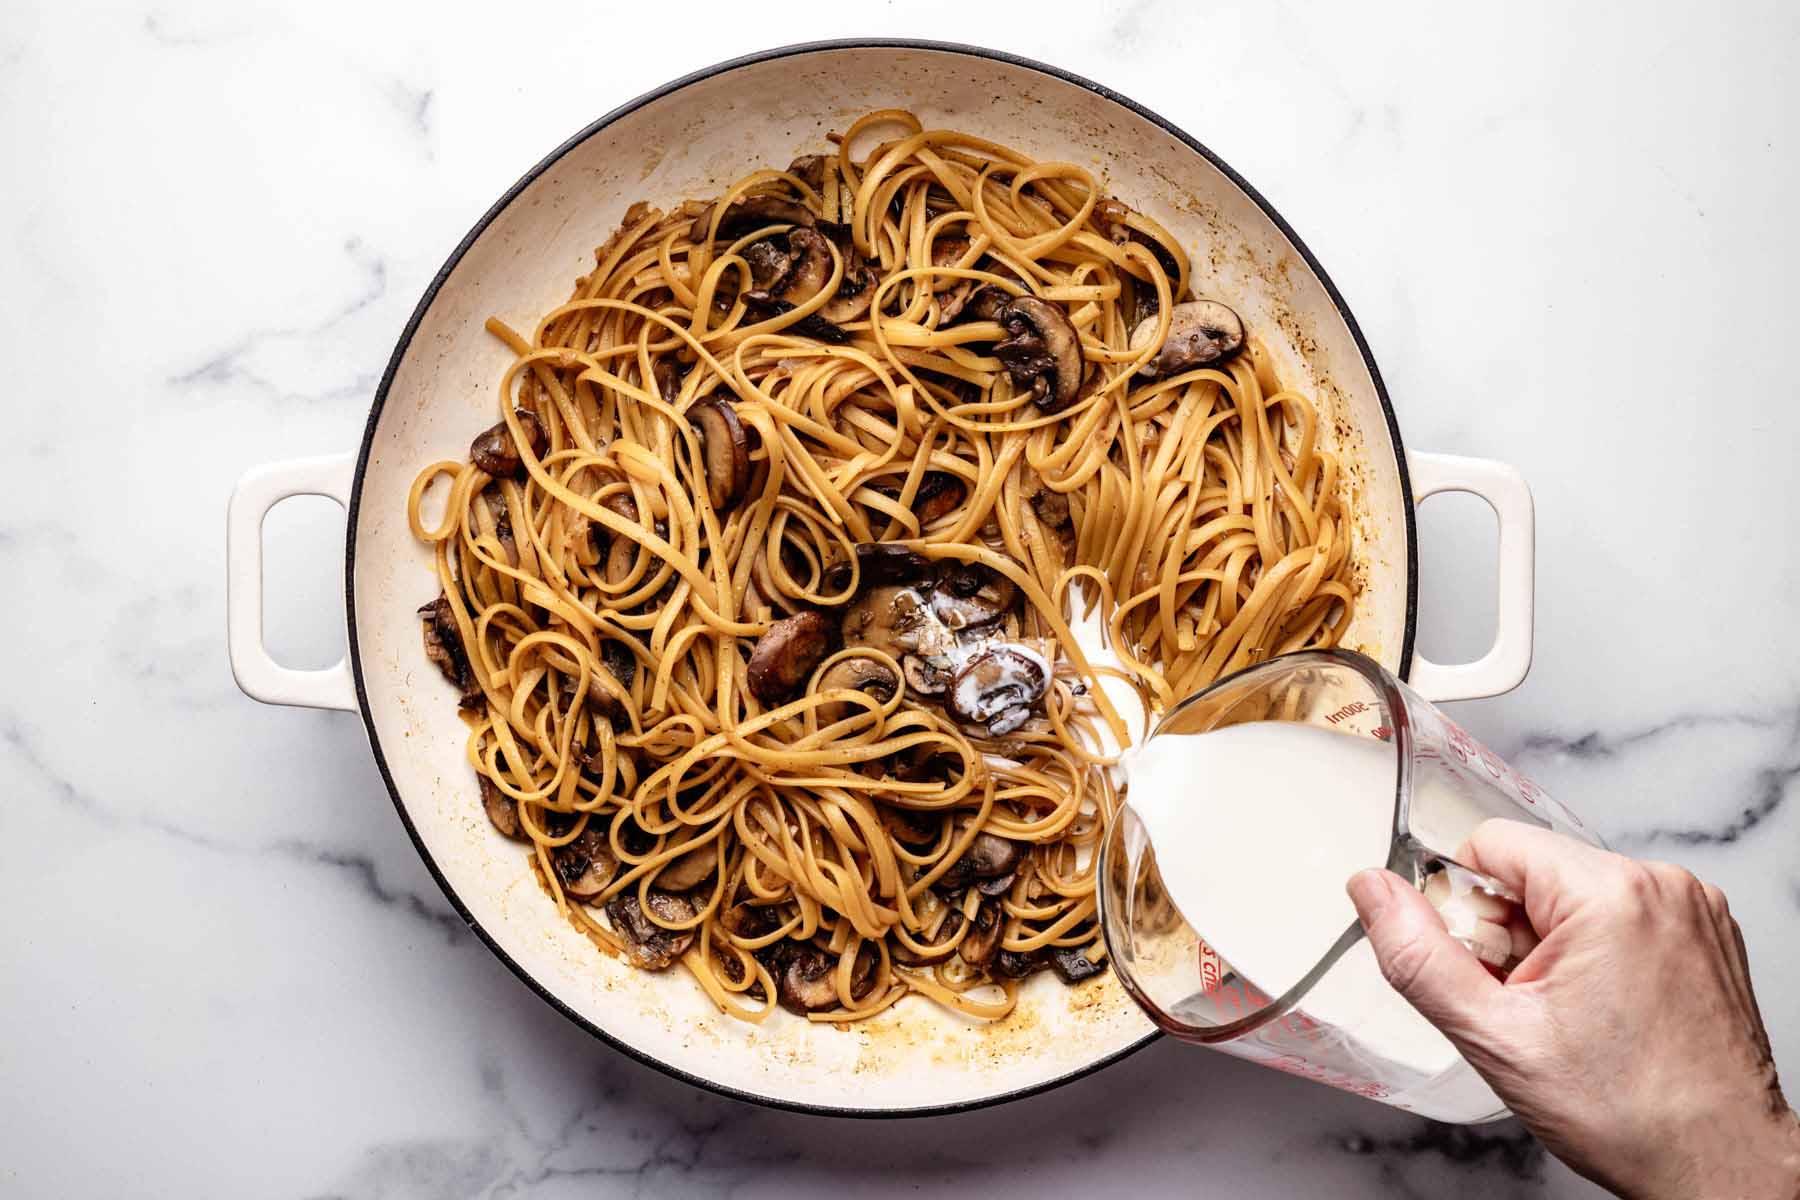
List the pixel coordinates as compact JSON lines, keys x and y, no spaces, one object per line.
{"x":1436,"y":973}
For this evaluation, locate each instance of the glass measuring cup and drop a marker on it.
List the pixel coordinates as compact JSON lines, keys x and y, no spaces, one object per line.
{"x":1442,"y":784}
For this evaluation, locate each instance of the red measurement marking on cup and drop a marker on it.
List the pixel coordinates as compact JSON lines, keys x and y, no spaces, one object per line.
{"x":1345,"y":713}
{"x":1293,"y":1064}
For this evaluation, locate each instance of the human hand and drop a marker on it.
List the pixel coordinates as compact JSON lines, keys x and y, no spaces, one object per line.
{"x":1628,"y":1040}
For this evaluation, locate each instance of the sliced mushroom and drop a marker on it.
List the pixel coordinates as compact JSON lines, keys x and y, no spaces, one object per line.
{"x":649,"y":946}
{"x":494,"y":451}
{"x":926,"y":676}
{"x":972,"y":301}
{"x":970,"y":594}
{"x":807,"y":274}
{"x":688,"y":870}
{"x":879,"y":563}
{"x":948,"y":252}
{"x":623,"y":553}
{"x":1072,"y":964}
{"x":806,"y":983}
{"x":586,"y":865}
{"x":1052,"y":508}
{"x":997,"y":687}
{"x":939,"y":492}
{"x":1043,"y":351}
{"x":1014,"y":964}
{"x":750,"y":921}
{"x":1201,"y":333}
{"x":810,"y":168}
{"x":444,"y":646}
{"x":769,"y":262}
{"x":727,"y":450}
{"x":787,"y":654}
{"x":858,"y":675}
{"x":907,"y":826}
{"x":897,"y":621}
{"x":989,"y":856}
{"x":501,"y":809}
{"x":857,"y":288}
{"x":752,"y":212}
{"x":621,"y":664}
{"x":983,"y":939}
{"x":937,"y":948}
{"x":996,"y":887}
{"x":668,"y":374}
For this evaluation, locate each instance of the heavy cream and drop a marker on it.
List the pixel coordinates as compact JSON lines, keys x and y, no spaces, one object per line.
{"x":1256,"y":828}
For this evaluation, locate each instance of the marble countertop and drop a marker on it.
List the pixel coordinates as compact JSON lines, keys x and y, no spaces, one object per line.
{"x":1568,"y":234}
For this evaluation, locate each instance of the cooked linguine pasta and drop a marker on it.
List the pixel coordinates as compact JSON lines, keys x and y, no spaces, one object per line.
{"x":759,"y":595}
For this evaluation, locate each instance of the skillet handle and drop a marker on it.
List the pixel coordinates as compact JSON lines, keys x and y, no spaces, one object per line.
{"x":257,"y":673}
{"x":1503,"y":667}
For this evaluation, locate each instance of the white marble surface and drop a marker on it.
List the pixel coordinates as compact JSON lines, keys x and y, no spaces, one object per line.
{"x":1567,"y":231}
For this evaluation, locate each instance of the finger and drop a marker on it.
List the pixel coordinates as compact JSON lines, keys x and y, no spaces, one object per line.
{"x":1435,"y":972}
{"x":1730,"y":942}
{"x":1742,"y":961}
{"x":1556,"y":874}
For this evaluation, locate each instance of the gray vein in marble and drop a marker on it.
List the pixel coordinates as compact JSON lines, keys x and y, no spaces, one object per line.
{"x":1514,"y":1153}
{"x":21,"y":751}
{"x":414,"y":104}
{"x":231,"y":366}
{"x":1770,"y":790}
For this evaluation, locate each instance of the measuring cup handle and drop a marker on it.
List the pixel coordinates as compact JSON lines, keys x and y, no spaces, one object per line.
{"x":1479,"y":911}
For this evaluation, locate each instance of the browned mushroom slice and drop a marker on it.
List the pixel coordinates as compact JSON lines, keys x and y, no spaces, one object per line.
{"x":878,"y":563}
{"x":970,"y":594}
{"x":752,"y":212}
{"x":915,"y":829}
{"x":1201,"y":334}
{"x":1042,"y":351}
{"x":769,"y":262}
{"x":810,"y":168}
{"x":501,"y":809}
{"x":667,"y":374}
{"x":937,"y":948}
{"x":787,"y":654}
{"x":494,"y":451}
{"x":1052,"y":508}
{"x":926,"y":676}
{"x":997,"y":688}
{"x":586,"y":865}
{"x":649,"y":946}
{"x":857,"y":287}
{"x":972,"y":301}
{"x":858,"y":675}
{"x":690,"y":869}
{"x":948,"y":252}
{"x":805,"y":275}
{"x":895,"y":620}
{"x":444,"y":646}
{"x":750,"y":921}
{"x":996,"y":887}
{"x":621,"y":664}
{"x":805,"y":985}
{"x":989,"y":856}
{"x":1072,"y":964}
{"x":977,"y":949}
{"x":726,"y":450}
{"x":1014,"y":964}
{"x":939,"y":492}
{"x":624,"y":551}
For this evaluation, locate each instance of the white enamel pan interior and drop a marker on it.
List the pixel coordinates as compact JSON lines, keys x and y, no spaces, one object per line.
{"x":688,"y":139}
